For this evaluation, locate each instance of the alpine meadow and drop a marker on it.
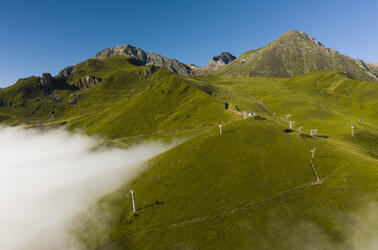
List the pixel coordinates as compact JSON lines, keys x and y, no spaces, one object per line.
{"x":274,"y":149}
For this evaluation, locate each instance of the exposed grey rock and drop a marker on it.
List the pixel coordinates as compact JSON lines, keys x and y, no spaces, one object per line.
{"x":87,"y":81}
{"x":147,"y":58}
{"x":192,"y":66}
{"x":374,"y":65}
{"x":215,"y":63}
{"x":47,"y":81}
{"x":370,"y":68}
{"x":123,"y":50}
{"x":148,"y":71}
{"x":65,"y":72}
{"x":221,"y":59}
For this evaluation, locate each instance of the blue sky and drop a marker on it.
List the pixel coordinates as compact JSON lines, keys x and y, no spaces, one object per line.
{"x":45,"y":36}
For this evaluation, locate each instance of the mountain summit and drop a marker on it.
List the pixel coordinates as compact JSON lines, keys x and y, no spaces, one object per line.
{"x":147,"y":58}
{"x":221,"y":59}
{"x":296,"y":53}
{"x":292,"y":54}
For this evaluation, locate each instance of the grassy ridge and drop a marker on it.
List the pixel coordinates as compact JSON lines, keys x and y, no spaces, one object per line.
{"x":251,"y":187}
{"x":130,"y":100}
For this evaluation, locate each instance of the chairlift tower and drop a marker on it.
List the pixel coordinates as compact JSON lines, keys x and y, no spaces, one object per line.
{"x":352,"y":129}
{"x":220,"y":128}
{"x":132,"y":198}
{"x":313,"y":152}
{"x":291,"y":124}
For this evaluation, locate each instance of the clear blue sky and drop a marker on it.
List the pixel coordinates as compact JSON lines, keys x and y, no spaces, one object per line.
{"x":45,"y":36}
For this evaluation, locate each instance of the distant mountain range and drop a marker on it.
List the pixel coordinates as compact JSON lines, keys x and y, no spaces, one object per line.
{"x":294,"y":53}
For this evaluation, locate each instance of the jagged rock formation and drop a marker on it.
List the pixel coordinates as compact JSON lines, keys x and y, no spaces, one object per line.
{"x":66,"y":72}
{"x":47,"y":81}
{"x":215,"y":63}
{"x":296,"y":53}
{"x":373,"y":65}
{"x":371,"y":68}
{"x":221,"y":59}
{"x":87,"y":82}
{"x":147,"y":58}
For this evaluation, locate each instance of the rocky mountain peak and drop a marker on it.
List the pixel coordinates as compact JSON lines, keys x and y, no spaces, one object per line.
{"x":123,"y":50}
{"x":299,"y":35}
{"x":221,"y":59}
{"x":296,"y":53}
{"x":147,"y":58}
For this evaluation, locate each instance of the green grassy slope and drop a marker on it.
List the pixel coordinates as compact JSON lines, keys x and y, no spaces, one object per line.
{"x":253,"y":187}
{"x":167,"y":103}
{"x":130,"y":100}
{"x":324,"y":100}
{"x":250,"y":188}
{"x":16,"y":103}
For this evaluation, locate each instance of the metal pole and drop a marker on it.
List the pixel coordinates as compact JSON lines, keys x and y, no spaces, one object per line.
{"x":220,"y":128}
{"x":313,"y":152}
{"x":132,"y":198}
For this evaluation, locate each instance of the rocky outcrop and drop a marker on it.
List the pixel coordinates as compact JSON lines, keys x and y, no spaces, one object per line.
{"x":373,"y":65}
{"x":147,"y":58}
{"x":47,"y":82}
{"x":123,"y":50}
{"x":148,"y":71}
{"x":215,"y":63}
{"x":370,"y":68}
{"x":65,"y":72}
{"x":87,"y":81}
{"x":222,"y":59}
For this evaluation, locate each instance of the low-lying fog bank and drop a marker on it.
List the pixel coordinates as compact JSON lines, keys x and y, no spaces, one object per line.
{"x":48,"y":177}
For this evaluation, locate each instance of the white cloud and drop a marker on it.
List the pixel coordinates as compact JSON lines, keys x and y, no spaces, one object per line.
{"x":48,"y":177}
